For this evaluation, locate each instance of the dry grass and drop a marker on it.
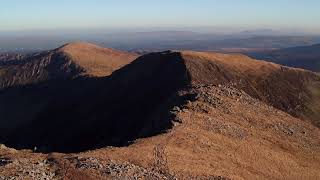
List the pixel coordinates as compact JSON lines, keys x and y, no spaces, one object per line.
{"x":285,"y":88}
{"x":224,"y":133}
{"x":252,"y":142}
{"x":239,"y":139}
{"x":95,"y":60}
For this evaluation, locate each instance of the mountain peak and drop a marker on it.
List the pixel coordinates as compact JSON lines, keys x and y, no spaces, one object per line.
{"x":69,"y":61}
{"x":96,"y":60}
{"x":77,"y":44}
{"x":80,"y":45}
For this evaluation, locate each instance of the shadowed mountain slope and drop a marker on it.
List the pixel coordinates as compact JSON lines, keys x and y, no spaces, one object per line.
{"x":218,"y":132}
{"x":112,"y":110}
{"x":186,"y":115}
{"x":89,"y":112}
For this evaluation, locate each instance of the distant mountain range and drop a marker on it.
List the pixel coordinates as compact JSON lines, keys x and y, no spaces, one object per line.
{"x":148,"y":41}
{"x":306,"y":57}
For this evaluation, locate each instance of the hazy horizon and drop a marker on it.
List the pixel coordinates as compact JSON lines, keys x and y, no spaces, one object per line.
{"x":203,"y":15}
{"x":157,"y":25}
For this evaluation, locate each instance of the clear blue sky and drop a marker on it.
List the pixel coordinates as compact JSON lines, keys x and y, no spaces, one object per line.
{"x":59,"y":14}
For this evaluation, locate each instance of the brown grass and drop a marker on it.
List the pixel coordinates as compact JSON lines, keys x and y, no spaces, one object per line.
{"x":95,"y":60}
{"x":282,"y":87}
{"x":224,"y":133}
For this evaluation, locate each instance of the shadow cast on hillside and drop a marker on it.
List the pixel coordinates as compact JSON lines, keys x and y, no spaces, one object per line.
{"x":89,"y":113}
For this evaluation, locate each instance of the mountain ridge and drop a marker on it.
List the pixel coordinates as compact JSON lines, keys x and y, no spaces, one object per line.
{"x":172,"y":114}
{"x":146,"y":84}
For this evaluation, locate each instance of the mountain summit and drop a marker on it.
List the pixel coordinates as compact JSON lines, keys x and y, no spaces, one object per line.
{"x":95,"y":60}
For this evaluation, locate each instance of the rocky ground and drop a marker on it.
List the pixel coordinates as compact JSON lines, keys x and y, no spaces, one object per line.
{"x":45,"y":167}
{"x":219,"y":133}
